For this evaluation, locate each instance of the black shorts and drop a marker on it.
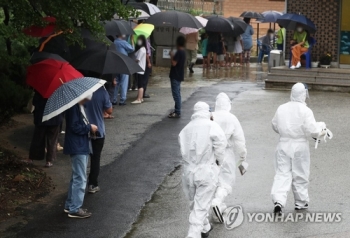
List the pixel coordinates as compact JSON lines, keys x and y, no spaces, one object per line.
{"x":213,"y":47}
{"x":205,"y":57}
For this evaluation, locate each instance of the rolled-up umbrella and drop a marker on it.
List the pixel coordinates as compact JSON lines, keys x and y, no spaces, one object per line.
{"x":42,"y":31}
{"x":118,"y":27}
{"x":40,"y":56}
{"x":188,"y":30}
{"x":270,"y":16}
{"x":239,"y":26}
{"x":218,"y":24}
{"x":290,"y":22}
{"x":251,"y":14}
{"x":150,"y":8}
{"x":174,"y":19}
{"x":69,"y":94}
{"x":104,"y":59}
{"x":47,"y":75}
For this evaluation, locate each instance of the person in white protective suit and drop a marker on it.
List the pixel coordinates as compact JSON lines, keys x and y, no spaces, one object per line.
{"x":295,"y":123}
{"x":203,"y":145}
{"x":235,"y":142}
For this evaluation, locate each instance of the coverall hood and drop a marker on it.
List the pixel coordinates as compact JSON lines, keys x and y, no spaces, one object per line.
{"x":223,"y":102}
{"x":298,"y":93}
{"x":201,"y":110}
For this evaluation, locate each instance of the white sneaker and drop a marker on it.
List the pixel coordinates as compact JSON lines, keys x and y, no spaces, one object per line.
{"x":136,"y":102}
{"x":292,"y":67}
{"x":298,"y":65}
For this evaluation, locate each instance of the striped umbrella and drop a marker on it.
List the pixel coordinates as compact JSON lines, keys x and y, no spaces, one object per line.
{"x":69,"y":94}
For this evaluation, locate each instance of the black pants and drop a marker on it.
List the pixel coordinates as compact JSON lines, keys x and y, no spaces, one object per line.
{"x":44,"y":137}
{"x":145,"y":79}
{"x":97,"y":146}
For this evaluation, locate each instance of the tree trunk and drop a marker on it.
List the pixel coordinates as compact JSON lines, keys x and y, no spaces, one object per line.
{"x":6,"y":22}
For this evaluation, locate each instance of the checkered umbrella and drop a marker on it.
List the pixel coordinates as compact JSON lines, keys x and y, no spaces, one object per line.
{"x":69,"y":94}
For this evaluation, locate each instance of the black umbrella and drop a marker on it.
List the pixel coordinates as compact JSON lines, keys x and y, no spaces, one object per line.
{"x":174,"y":19}
{"x":254,"y":15}
{"x":118,"y":27}
{"x":55,"y":45}
{"x":104,"y":59}
{"x":239,"y":26}
{"x":40,"y":56}
{"x":218,"y":24}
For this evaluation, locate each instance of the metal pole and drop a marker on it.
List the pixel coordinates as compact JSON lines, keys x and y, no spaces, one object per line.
{"x":257,"y":38}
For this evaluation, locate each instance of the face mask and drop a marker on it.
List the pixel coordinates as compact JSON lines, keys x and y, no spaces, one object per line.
{"x":139,"y":42}
{"x":123,"y":36}
{"x":299,"y":29}
{"x":272,"y":35}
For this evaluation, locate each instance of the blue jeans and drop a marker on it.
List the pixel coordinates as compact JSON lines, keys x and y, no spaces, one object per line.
{"x":280,"y":47}
{"x":77,"y":183}
{"x":176,"y":91}
{"x":262,"y":53}
{"x":122,"y":84}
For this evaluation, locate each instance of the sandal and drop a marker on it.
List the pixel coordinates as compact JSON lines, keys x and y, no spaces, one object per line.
{"x":48,"y":164}
{"x":108,"y":117}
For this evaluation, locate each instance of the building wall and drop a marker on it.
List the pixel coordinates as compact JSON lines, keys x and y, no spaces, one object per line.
{"x":325,"y":15}
{"x":236,"y":7}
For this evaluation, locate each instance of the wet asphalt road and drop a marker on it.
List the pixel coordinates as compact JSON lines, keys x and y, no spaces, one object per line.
{"x":128,"y":182}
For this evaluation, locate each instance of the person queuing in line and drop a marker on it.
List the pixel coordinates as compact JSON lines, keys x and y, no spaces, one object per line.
{"x":77,"y":146}
{"x":191,"y":49}
{"x":202,"y":143}
{"x":237,"y":51}
{"x":266,"y":45}
{"x":229,"y":42}
{"x":235,"y":143}
{"x":281,"y":36}
{"x":141,"y":59}
{"x":99,"y":105}
{"x":204,"y":39}
{"x":124,"y":48}
{"x":221,"y":53}
{"x":177,"y":74}
{"x":214,"y":39}
{"x":247,"y":37}
{"x":45,"y":136}
{"x":300,"y":45}
{"x":295,"y":123}
{"x":148,"y":69}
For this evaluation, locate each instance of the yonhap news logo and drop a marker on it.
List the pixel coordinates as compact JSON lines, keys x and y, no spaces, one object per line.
{"x":234,"y":217}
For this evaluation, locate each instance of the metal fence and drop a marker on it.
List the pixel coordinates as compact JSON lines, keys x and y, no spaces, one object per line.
{"x":195,"y":7}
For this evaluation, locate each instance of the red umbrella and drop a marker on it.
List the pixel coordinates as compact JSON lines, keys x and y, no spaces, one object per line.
{"x":48,"y":75}
{"x":42,"y":31}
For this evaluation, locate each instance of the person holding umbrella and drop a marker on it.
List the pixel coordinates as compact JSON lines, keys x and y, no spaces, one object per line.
{"x":124,"y":48}
{"x":281,"y":35}
{"x":140,"y":54}
{"x":177,"y":74}
{"x":300,"y":45}
{"x":77,"y":145}
{"x":191,"y":49}
{"x":247,"y":37}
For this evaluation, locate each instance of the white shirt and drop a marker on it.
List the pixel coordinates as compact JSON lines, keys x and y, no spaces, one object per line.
{"x":141,"y":57}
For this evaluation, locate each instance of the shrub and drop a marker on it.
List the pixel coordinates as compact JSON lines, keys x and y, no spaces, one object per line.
{"x":13,"y":98}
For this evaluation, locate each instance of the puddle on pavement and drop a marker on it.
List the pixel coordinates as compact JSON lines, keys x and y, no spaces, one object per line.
{"x":205,"y":77}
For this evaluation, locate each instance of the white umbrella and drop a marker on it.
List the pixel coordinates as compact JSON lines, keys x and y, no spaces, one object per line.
{"x":188,"y":30}
{"x":153,"y":9}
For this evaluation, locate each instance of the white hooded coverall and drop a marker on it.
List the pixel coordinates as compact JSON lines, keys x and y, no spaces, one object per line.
{"x":295,"y":123}
{"x":202,"y":144}
{"x":235,"y":142}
